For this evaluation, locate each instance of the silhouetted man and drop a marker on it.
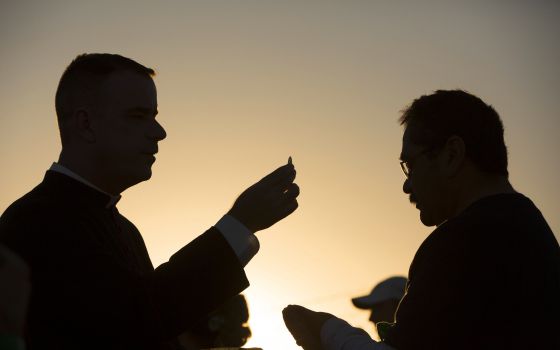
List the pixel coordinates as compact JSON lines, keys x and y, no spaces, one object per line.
{"x":94,"y":286}
{"x":383,"y":299}
{"x":488,"y":277}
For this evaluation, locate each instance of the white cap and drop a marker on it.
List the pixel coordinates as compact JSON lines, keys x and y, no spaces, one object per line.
{"x":391,"y":288}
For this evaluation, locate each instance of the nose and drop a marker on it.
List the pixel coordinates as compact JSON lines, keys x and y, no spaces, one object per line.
{"x":157,"y":132}
{"x":406,"y":187}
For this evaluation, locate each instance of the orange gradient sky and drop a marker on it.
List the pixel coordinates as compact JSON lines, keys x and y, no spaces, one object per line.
{"x":242,"y":85}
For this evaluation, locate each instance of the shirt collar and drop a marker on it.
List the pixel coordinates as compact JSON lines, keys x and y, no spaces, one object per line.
{"x":65,"y":171}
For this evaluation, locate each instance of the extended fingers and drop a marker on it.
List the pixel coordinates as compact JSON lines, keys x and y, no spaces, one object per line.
{"x":286,"y":202}
{"x":287,"y":179}
{"x":282,"y":195}
{"x":296,"y":313}
{"x":269,"y":200}
{"x":281,"y":176}
{"x":291,"y":192}
{"x":296,"y":320}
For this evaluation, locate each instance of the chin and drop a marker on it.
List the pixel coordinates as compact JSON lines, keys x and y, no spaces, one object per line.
{"x":138,"y":177}
{"x":146,"y":175}
{"x":431,"y":220}
{"x":427,"y":220}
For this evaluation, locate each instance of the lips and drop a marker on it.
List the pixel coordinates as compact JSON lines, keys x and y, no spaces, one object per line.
{"x":150,"y":153}
{"x":150,"y":157}
{"x":152,"y":150}
{"x":413,"y":201}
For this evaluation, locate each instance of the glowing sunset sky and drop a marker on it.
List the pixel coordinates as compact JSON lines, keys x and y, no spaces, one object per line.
{"x":242,"y":85}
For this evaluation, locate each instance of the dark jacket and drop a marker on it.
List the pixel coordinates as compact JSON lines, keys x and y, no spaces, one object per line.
{"x":486,"y":279}
{"x":93,"y":284}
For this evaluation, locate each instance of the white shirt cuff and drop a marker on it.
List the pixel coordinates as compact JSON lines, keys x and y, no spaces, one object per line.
{"x":337,"y":334}
{"x":243,"y":242}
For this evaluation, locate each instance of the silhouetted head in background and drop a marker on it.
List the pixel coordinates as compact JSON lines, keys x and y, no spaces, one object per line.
{"x":383,"y":300}
{"x":225,"y":327}
{"x":106,"y":106}
{"x":453,"y":153}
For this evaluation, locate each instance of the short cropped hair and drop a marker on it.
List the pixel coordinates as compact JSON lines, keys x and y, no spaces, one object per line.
{"x":83,"y":76}
{"x":456,"y":112}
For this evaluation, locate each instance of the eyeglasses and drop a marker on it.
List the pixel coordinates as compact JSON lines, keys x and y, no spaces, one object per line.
{"x":406,"y":164}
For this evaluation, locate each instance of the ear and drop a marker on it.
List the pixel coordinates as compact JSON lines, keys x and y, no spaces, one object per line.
{"x":83,"y":125}
{"x":453,"y":155}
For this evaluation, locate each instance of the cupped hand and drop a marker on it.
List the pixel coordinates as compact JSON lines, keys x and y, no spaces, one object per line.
{"x":305,"y":325}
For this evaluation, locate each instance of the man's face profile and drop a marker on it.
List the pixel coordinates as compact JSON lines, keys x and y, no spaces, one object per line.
{"x":384,"y":311}
{"x":424,"y":182}
{"x":126,"y":131}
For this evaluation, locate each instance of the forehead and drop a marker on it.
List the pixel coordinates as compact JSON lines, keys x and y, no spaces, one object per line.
{"x":126,"y":89}
{"x":408,"y":146}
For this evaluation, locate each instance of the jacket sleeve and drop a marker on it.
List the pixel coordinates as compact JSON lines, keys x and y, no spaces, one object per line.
{"x":81,"y":291}
{"x":196,"y":280}
{"x":337,"y":334}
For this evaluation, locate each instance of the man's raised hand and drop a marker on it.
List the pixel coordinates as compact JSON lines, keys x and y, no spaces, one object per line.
{"x":269,"y":200}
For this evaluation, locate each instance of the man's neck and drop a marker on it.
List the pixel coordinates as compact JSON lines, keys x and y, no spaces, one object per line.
{"x":87,"y":172}
{"x":479,"y":188}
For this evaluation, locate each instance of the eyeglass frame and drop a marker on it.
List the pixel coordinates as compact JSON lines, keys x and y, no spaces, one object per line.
{"x":404,"y":163}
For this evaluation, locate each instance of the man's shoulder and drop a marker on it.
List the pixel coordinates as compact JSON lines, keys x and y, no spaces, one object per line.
{"x":510,"y":216}
{"x":33,"y":204}
{"x":489,"y":225}
{"x":497,"y":214}
{"x":497,"y":229}
{"x":500,"y":206}
{"x":22,"y":222}
{"x":38,"y":211}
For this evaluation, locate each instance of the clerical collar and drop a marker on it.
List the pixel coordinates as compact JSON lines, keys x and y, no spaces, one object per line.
{"x":65,"y":171}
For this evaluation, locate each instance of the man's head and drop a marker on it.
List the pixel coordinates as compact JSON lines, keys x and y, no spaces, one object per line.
{"x":451,"y":140}
{"x":383,"y":300}
{"x":106,"y":106}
